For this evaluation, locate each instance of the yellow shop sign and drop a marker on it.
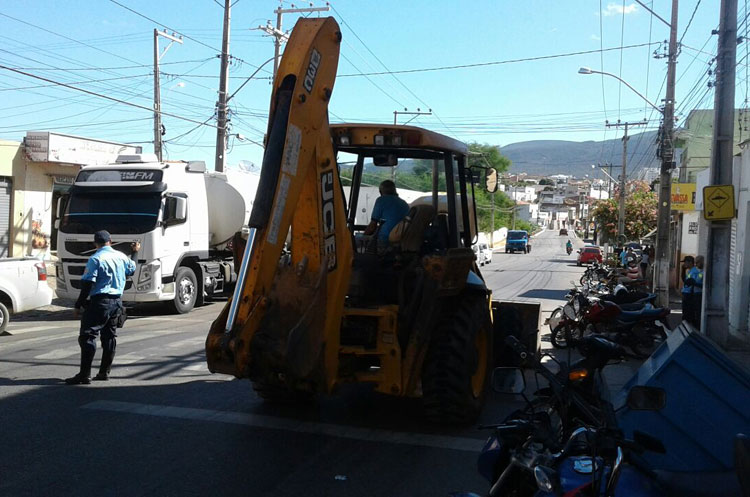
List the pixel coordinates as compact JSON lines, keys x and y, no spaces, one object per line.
{"x":683,"y":196}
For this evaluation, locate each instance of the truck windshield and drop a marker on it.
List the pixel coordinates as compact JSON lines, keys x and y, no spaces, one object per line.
{"x":516,"y":235}
{"x":121,"y":213}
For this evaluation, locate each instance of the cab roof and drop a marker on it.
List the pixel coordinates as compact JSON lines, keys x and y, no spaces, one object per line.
{"x":397,"y":139}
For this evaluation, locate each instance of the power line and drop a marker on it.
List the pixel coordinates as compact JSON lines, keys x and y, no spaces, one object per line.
{"x":76,"y":69}
{"x":687,"y":26}
{"x":102,"y":96}
{"x":179,"y":32}
{"x":500,"y":62}
{"x":75,"y":82}
{"x":68,"y":38}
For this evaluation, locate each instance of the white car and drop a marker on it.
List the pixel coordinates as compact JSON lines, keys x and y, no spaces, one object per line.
{"x":479,"y":254}
{"x":487,"y":250}
{"x":23,"y":286}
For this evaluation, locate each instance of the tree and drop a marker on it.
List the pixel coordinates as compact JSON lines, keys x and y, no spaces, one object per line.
{"x":546,"y":181}
{"x":640,"y":212}
{"x":485,"y":155}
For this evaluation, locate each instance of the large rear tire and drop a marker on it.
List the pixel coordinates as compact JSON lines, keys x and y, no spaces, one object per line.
{"x":457,"y":368}
{"x":278,"y":394}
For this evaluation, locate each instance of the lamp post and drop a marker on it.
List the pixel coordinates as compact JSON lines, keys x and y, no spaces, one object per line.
{"x":661,"y":263}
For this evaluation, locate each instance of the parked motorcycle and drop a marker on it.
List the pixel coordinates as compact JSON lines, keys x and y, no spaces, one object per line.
{"x":525,"y":456}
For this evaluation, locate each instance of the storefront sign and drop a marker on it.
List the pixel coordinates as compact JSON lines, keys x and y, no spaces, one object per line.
{"x":693,"y":228}
{"x":683,"y":196}
{"x":43,"y":146}
{"x":64,"y":180}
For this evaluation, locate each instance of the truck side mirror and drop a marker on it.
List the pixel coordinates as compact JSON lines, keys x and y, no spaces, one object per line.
{"x":175,"y":210}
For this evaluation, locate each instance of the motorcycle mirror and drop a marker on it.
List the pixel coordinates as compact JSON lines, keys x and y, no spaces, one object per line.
{"x":642,"y":398}
{"x":508,"y":380}
{"x":648,"y":442}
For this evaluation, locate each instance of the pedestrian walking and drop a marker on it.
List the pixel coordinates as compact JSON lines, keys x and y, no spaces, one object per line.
{"x":102,"y":283}
{"x":644,"y":262}
{"x":693,"y":286}
{"x":688,"y":298}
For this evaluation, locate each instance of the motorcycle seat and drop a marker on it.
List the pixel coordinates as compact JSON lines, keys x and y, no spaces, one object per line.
{"x":647,"y":312}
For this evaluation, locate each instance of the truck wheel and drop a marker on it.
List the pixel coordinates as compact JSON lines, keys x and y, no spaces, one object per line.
{"x":185,"y":290}
{"x":458,"y":364}
{"x":4,"y":317}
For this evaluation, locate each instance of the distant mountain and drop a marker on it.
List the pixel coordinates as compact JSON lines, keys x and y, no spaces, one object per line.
{"x":548,"y":157}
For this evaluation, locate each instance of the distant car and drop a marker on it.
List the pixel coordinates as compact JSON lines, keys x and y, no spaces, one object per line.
{"x":588,"y":254}
{"x":479,"y":254}
{"x":563,"y":232}
{"x":23,"y":286}
{"x":485,"y":248}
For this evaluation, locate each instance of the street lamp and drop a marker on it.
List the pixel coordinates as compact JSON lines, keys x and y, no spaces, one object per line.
{"x":588,"y":70}
{"x":661,"y":263}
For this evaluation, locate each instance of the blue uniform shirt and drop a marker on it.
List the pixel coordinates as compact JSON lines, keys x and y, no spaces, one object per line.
{"x":390,"y":209}
{"x":697,"y":276}
{"x":107,"y":269}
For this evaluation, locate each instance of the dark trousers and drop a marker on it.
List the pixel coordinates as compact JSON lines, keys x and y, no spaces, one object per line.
{"x":99,"y":320}
{"x":691,"y":308}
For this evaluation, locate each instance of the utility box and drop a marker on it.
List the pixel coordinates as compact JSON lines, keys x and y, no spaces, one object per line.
{"x":708,"y":403}
{"x":519,"y":319}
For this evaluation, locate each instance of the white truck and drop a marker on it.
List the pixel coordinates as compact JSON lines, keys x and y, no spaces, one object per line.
{"x":183,"y":216}
{"x":23,"y":286}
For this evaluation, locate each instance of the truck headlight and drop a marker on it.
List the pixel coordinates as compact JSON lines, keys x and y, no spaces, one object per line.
{"x":60,"y":272}
{"x":147,"y":273}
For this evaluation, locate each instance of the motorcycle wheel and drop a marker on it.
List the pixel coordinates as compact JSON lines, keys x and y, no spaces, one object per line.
{"x":642,"y":342}
{"x":563,"y":334}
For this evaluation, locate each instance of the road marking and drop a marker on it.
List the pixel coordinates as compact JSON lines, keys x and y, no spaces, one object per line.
{"x":473,"y":445}
{"x":201,"y":340}
{"x":72,"y":351}
{"x":198,"y":366}
{"x":126,"y":359}
{"x":20,"y":330}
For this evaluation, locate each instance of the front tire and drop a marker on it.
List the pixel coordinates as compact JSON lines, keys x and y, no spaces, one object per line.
{"x":4,"y":317}
{"x":563,"y":334}
{"x":458,"y":364}
{"x":185,"y":290}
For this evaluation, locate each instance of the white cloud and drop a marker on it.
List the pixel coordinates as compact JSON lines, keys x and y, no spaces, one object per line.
{"x":614,"y":9}
{"x":595,"y":38}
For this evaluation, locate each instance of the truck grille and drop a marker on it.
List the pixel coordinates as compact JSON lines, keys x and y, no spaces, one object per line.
{"x":87,"y":249}
{"x":77,"y":284}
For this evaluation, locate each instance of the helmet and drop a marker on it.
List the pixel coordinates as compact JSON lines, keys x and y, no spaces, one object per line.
{"x":620,"y":288}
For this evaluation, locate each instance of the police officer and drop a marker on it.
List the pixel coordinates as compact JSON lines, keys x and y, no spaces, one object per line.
{"x":103,"y":282}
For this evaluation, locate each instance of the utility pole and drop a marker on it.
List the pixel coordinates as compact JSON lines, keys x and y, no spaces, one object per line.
{"x":157,"y":89}
{"x":623,"y":176}
{"x":661,"y":269}
{"x":714,"y":320}
{"x":492,"y":233}
{"x":277,"y":32}
{"x":221,"y":105}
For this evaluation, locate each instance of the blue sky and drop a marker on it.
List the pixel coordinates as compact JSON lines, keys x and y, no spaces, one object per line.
{"x":108,"y":49}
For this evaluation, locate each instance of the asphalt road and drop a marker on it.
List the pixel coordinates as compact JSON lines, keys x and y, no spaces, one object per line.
{"x":165,"y":426}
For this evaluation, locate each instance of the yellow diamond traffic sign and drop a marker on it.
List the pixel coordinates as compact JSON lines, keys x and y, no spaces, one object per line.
{"x":718,"y":202}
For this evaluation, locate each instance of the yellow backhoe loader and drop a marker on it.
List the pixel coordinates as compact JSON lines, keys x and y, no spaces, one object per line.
{"x":317,"y":303}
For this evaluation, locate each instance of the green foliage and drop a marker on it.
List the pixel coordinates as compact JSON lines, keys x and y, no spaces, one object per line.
{"x":640,"y":212}
{"x":546,"y":181}
{"x":485,"y":155}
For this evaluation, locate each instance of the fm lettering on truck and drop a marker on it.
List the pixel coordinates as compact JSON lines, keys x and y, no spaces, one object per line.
{"x":312,"y":71}
{"x":329,"y":218}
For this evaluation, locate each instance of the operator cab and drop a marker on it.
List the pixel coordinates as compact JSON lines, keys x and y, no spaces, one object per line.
{"x":442,"y":214}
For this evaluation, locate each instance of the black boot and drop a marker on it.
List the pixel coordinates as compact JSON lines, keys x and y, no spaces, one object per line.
{"x":108,"y":355}
{"x":87,"y":357}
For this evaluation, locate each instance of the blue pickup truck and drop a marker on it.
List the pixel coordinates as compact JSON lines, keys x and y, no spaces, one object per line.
{"x":517,"y":240}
